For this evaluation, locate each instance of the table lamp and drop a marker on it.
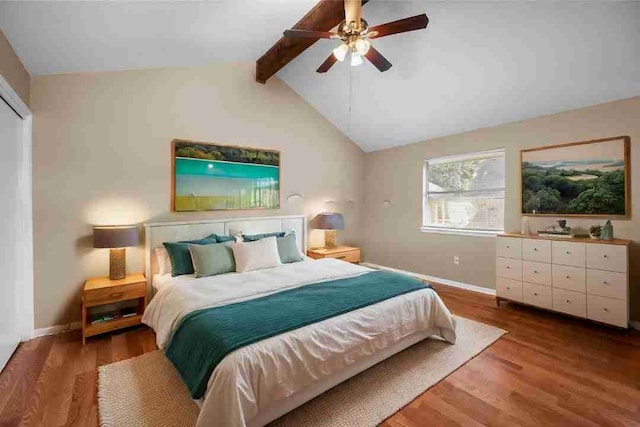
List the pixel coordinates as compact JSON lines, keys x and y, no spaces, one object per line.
{"x":330,"y":222}
{"x":116,"y":238}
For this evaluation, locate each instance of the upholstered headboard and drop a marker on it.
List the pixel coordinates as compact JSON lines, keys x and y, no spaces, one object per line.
{"x":158,"y":233}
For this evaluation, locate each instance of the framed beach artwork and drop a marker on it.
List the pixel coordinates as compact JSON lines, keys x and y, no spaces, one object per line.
{"x":210,"y":177}
{"x":589,"y":178}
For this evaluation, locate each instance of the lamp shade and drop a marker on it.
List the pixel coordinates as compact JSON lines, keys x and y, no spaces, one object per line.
{"x":329,"y":221}
{"x":115,"y":236}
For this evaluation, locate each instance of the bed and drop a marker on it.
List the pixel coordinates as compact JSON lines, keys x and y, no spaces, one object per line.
{"x":260,"y":382}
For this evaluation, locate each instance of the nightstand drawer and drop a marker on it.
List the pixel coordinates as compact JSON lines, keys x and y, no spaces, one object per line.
{"x":351,"y":256}
{"x":115,"y":294}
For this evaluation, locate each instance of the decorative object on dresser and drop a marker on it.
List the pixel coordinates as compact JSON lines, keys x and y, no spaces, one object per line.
{"x":559,"y":230}
{"x":330,"y":222}
{"x":101,"y":292}
{"x":346,"y":253}
{"x":116,"y":238}
{"x":589,"y":178}
{"x":607,"y":231}
{"x":578,"y":276}
{"x":209,"y":177}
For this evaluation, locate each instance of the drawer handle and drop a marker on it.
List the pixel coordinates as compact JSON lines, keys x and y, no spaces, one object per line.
{"x":605,"y":282}
{"x":568,"y":277}
{"x":509,"y":287}
{"x":535,"y":249}
{"x":535,"y":271}
{"x":535,"y":293}
{"x":568,"y":302}
{"x":606,"y":309}
{"x":568,"y":253}
{"x":508,"y":268}
{"x":605,"y":255}
{"x":117,"y":295}
{"x":508,"y":247}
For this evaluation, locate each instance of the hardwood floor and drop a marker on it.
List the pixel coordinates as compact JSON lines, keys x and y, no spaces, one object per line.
{"x":549,"y":370}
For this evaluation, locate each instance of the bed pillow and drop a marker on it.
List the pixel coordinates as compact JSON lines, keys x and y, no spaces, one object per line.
{"x":256,"y":255}
{"x":288,"y":249}
{"x":211,"y":260}
{"x":164,"y":263}
{"x":180,"y":256}
{"x":225,"y":239}
{"x":254,"y":237}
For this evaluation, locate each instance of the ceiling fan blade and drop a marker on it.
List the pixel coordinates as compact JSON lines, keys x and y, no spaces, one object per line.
{"x":379,"y":61}
{"x":401,"y":26}
{"x":352,"y":11}
{"x":328,"y":63}
{"x":309,"y":34}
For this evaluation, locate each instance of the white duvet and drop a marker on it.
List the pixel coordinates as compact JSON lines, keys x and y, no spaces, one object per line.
{"x":258,"y":377}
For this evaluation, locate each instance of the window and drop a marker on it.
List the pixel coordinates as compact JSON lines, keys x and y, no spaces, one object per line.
{"x":464,"y":193}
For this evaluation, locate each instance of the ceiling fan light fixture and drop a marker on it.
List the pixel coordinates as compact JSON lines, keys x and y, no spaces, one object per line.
{"x":341,"y":52}
{"x":362,"y":46}
{"x":356,"y":59}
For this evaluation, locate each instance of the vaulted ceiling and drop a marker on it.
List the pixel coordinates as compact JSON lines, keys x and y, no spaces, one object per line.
{"x":478,"y":64}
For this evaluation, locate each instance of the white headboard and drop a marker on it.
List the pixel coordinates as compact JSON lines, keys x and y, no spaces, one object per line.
{"x":160,"y":232}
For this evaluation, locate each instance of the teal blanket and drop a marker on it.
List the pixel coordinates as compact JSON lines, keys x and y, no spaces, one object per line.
{"x":204,"y":337}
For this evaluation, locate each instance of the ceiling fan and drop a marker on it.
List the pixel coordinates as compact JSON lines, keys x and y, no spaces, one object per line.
{"x":354,"y":34}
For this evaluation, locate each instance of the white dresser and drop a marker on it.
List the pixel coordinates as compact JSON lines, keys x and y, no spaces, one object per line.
{"x":580,"y":277}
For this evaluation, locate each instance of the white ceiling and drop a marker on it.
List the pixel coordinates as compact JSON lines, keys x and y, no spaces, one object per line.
{"x":478,"y":63}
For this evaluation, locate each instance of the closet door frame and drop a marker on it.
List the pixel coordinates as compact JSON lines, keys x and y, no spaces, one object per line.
{"x":26,"y":299}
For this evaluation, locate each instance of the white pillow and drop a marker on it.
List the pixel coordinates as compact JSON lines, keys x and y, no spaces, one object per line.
{"x":164,"y":262}
{"x":256,"y":255}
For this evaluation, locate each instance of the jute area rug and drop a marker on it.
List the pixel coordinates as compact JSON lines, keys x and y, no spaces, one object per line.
{"x":147,"y":391}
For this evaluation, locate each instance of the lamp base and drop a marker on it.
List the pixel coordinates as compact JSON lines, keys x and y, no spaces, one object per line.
{"x":117,"y":264}
{"x":330,"y":239}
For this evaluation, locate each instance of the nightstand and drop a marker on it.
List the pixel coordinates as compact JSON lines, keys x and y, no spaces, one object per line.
{"x":101,"y":291}
{"x":346,"y":253}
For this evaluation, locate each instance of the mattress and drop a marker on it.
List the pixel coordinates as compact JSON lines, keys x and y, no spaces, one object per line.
{"x":257,"y":382}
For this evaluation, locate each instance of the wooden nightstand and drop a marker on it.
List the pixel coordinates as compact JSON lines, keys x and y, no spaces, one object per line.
{"x":346,"y":253}
{"x":100,"y":291}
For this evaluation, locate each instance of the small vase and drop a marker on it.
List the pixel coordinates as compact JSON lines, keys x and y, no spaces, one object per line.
{"x":607,"y":231}
{"x":525,"y":229}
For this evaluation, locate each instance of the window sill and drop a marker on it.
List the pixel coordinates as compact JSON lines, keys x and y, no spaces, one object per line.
{"x":461,"y":232}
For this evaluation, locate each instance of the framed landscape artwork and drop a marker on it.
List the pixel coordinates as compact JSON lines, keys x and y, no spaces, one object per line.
{"x":589,"y":178}
{"x":208,"y":177}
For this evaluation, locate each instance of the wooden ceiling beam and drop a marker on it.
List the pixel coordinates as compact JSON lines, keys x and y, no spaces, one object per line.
{"x":324,"y":16}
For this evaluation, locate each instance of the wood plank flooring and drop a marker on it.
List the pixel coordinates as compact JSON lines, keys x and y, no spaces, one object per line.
{"x":549,"y":370}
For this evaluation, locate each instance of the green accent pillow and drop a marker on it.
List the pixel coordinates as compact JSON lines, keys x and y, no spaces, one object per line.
{"x":211,"y":260}
{"x":224,"y":239}
{"x":254,"y":237}
{"x":181,"y":257}
{"x":287,"y":249}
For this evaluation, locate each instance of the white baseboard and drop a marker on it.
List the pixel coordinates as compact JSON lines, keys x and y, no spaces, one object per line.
{"x":439,"y":280}
{"x":57,"y":329}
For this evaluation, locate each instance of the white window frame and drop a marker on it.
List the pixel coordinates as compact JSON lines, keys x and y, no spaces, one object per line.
{"x":425,"y":194}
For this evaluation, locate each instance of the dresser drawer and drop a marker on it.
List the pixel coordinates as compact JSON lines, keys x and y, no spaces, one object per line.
{"x":607,"y":284}
{"x":607,"y":257}
{"x":509,"y":268}
{"x":570,"y":278}
{"x":607,"y":310}
{"x":536,"y":250}
{"x":567,"y":253}
{"x":509,"y":247}
{"x":569,"y":302}
{"x":536,"y":272}
{"x":509,"y":289}
{"x":109,"y":295}
{"x":537,"y":295}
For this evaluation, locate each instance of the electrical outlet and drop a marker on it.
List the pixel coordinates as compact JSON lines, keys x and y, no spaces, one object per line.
{"x":456,"y":260}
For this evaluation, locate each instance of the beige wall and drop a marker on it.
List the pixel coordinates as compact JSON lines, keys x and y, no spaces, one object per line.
{"x":101,"y":154}
{"x":12,"y":69}
{"x":391,"y":235}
